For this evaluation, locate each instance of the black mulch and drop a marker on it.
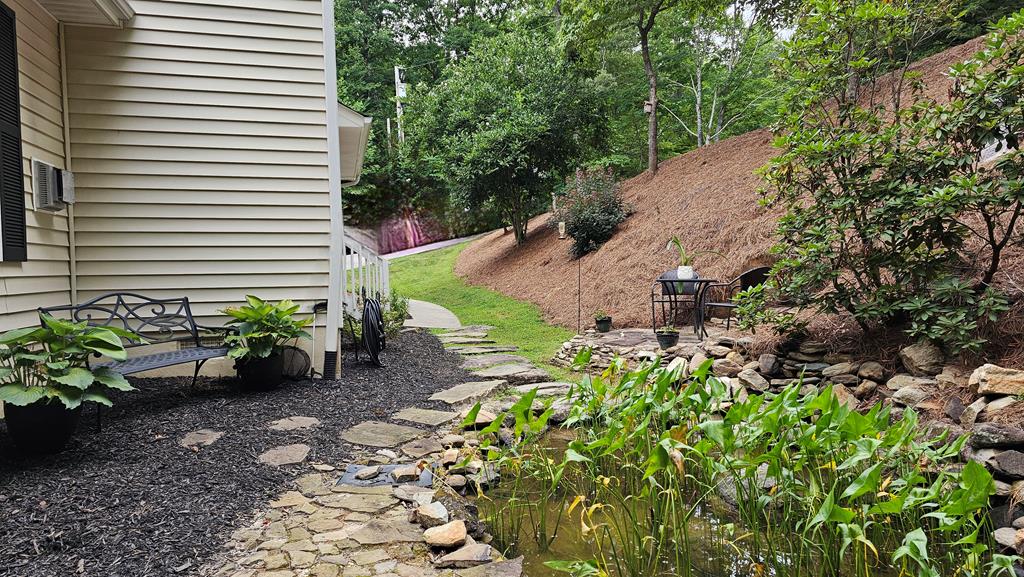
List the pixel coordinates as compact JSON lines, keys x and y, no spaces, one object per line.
{"x":130,"y":501}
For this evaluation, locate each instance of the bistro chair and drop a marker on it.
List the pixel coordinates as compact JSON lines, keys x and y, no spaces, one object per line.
{"x":721,"y":295}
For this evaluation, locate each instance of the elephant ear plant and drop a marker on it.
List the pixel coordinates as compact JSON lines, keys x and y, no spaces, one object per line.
{"x":45,"y":377}
{"x":263,"y":329}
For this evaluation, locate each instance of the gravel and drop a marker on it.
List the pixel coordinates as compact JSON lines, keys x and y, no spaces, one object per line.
{"x":130,"y":501}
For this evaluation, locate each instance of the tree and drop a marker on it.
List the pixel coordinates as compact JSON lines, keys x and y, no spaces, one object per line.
{"x":505,"y":124}
{"x":602,"y":18}
{"x":885,"y":192}
{"x":718,"y":59}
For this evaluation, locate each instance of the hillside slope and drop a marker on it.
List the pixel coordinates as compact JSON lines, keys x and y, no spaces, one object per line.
{"x":708,"y":197}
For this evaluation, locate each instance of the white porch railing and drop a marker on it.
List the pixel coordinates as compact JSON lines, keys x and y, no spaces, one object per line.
{"x":365,"y":273}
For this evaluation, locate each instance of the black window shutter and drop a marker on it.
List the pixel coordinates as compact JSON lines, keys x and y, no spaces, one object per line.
{"x":12,"y":179}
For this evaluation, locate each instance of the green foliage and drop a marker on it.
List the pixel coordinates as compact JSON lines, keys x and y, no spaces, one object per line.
{"x":882,"y":197}
{"x":264,"y":328}
{"x":820,"y":489}
{"x":430,"y":276}
{"x":591,"y":207}
{"x":51,"y":362}
{"x":600,"y":315}
{"x":505,"y":124}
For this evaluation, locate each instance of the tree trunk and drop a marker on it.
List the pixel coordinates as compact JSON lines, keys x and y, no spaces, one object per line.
{"x":644,"y":28}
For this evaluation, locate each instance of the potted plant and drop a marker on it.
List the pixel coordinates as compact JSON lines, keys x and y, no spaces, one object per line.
{"x":668,"y":337}
{"x":45,"y":378}
{"x":603,"y":321}
{"x":685,"y":269}
{"x":257,"y":347}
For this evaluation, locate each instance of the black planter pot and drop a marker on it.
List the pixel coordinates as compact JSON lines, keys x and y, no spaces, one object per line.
{"x":667,"y":340}
{"x":261,"y":374}
{"x":41,"y":428}
{"x":603,"y":325}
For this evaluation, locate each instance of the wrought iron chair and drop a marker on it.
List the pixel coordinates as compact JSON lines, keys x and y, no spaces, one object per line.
{"x":720,"y":295}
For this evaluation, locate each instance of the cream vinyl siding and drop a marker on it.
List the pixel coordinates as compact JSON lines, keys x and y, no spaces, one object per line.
{"x":44,"y":280}
{"x":199,"y":146}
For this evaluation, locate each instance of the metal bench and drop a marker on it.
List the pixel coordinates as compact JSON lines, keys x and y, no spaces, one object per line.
{"x":155,"y":320}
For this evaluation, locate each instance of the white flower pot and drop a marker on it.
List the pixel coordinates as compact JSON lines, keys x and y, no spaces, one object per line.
{"x":685,"y":273}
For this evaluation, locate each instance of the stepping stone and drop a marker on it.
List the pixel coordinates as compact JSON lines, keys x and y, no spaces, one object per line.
{"x":516,"y":374}
{"x":483,"y":349}
{"x":200,"y":438}
{"x":467,"y":392}
{"x":466,"y":341}
{"x":422,"y":447}
{"x":380,"y":434}
{"x":489,"y":360}
{"x":545,"y":389}
{"x":285,"y":455}
{"x":424,"y":416}
{"x":379,"y":532}
{"x":468,"y":329}
{"x":414,"y":494}
{"x":464,"y":335}
{"x":294,"y":423}
{"x":359,"y":502}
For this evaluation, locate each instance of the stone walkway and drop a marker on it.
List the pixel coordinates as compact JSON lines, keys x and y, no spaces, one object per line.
{"x":398,"y":510}
{"x":426,"y":315}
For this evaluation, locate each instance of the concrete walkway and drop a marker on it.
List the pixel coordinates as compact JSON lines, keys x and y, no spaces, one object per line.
{"x":429,"y":247}
{"x":430,"y":316}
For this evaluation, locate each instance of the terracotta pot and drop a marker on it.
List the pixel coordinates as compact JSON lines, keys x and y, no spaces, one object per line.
{"x":261,"y":374}
{"x":41,"y":428}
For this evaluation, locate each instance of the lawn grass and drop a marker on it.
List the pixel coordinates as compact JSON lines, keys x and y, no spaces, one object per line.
{"x":430,"y":276}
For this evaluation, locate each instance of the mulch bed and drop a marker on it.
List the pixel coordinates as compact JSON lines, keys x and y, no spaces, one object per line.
{"x":130,"y":501}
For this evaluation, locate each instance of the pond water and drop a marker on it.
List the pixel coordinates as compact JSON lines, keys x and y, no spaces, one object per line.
{"x":714,"y":544}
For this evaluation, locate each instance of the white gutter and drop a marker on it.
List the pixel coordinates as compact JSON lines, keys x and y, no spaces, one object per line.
{"x":336,"y":277}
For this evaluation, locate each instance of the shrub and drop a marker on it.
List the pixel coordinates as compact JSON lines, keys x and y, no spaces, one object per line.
{"x":883,"y":199}
{"x":591,"y":207}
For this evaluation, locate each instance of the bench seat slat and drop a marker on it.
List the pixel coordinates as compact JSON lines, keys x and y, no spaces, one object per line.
{"x":167,"y":359}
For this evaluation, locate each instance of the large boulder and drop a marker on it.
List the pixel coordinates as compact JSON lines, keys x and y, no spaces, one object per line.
{"x":995,"y":380}
{"x":922,"y":359}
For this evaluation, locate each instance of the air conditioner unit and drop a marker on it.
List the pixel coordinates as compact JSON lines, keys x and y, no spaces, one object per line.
{"x":52,"y":188}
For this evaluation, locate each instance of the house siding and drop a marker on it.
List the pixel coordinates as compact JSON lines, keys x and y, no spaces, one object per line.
{"x":44,"y":280}
{"x":199,"y":147}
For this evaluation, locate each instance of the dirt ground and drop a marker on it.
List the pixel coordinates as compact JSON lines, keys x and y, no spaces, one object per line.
{"x":708,"y":197}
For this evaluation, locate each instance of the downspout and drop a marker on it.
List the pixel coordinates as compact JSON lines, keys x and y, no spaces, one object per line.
{"x":336,"y":280}
{"x":72,"y":249}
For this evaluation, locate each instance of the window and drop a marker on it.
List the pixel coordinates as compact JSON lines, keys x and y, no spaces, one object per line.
{"x":12,"y":181}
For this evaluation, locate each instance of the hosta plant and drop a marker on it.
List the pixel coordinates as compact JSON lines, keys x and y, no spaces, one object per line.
{"x":50,"y":362}
{"x":264,"y":328}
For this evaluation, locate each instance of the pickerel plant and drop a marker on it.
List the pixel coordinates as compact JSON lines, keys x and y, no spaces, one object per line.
{"x":815,"y":487}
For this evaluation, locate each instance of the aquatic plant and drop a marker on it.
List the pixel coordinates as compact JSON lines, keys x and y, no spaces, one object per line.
{"x":803,"y":484}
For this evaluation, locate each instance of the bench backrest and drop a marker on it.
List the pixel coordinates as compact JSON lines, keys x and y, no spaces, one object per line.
{"x":157,"y":320}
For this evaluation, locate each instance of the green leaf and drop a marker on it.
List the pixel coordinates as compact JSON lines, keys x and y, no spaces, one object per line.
{"x":71,"y":397}
{"x":18,"y":395}
{"x":112,"y":379}
{"x":866,"y":482}
{"x":17,"y":335}
{"x":470,"y":420}
{"x":97,"y":397}
{"x":77,"y":377}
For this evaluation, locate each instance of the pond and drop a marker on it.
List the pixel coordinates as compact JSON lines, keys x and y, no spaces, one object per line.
{"x":658,"y":476}
{"x":715,"y":543}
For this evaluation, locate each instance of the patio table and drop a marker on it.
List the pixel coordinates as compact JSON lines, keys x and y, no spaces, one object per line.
{"x":677,"y":296}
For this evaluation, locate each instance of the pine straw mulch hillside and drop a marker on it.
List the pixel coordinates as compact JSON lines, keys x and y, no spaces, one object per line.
{"x":708,"y":197}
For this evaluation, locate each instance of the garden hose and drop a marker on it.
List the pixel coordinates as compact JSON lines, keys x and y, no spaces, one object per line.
{"x":373,"y":330}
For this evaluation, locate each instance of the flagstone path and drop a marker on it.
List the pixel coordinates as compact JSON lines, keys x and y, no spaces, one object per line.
{"x":393,"y":512}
